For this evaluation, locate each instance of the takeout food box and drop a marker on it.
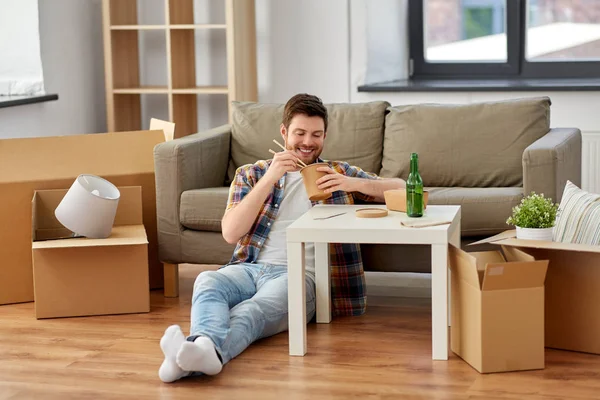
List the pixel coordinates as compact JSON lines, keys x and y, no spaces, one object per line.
{"x":80,"y":276}
{"x":497,"y":309}
{"x":572,"y":290}
{"x":395,"y":199}
{"x":123,"y":158}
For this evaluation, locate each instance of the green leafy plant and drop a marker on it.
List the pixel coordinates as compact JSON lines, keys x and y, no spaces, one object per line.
{"x":535,"y":211}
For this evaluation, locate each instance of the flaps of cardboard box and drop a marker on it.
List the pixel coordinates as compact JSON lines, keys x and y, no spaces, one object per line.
{"x":167,"y":127}
{"x":48,"y":232}
{"x":509,"y":239}
{"x":464,"y":266}
{"x":514,"y":254}
{"x":509,"y":234}
{"x":490,"y":270}
{"x":57,"y":157}
{"x":514,"y":275}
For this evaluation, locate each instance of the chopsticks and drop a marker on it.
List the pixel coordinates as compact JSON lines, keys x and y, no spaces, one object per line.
{"x":299,"y":161}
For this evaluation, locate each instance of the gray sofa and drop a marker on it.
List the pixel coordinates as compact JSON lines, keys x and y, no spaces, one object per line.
{"x":482,"y":156}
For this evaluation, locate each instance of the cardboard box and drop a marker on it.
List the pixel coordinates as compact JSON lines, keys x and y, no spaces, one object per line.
{"x":81,"y":276}
{"x":572,"y":317}
{"x":123,"y":158}
{"x":497,"y":309}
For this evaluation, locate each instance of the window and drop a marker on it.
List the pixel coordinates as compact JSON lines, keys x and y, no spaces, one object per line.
{"x":504,"y":38}
{"x":482,"y":19}
{"x":21,"y":64}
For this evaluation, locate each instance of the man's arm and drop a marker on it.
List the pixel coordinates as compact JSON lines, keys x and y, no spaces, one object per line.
{"x":247,"y":196}
{"x":375,"y":187}
{"x":365,"y":185}
{"x":239,"y":218}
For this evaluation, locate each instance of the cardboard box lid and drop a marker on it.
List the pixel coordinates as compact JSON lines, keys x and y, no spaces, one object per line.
{"x":48,"y":232}
{"x":167,"y":127}
{"x":491,"y":271}
{"x":464,"y":266}
{"x":514,"y":275}
{"x":124,"y":235}
{"x":45,"y":158}
{"x":509,"y":238}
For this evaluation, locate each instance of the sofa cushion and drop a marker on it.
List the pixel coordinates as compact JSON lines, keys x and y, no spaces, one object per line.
{"x":354,"y":134}
{"x":204,"y":247}
{"x":578,"y":219}
{"x":472,"y":145}
{"x":483,"y":210}
{"x":203,"y":209}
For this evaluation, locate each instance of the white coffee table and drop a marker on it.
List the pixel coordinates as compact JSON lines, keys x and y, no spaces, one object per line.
{"x":347,"y":228}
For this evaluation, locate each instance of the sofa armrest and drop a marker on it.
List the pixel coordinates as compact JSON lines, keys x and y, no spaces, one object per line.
{"x":552,"y":160}
{"x":192,"y":162}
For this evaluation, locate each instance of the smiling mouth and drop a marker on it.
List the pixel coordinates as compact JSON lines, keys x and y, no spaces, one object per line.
{"x":304,"y":151}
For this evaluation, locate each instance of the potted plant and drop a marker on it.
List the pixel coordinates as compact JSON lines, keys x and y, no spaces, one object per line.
{"x":534,"y":218}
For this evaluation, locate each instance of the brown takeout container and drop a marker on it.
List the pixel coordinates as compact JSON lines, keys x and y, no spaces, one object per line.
{"x":395,"y":199}
{"x":310,"y":175}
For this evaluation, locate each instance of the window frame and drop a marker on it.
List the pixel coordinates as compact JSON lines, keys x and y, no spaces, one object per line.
{"x":516,"y":65}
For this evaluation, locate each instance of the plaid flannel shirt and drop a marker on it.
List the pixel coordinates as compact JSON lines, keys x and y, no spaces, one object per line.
{"x":348,"y":290}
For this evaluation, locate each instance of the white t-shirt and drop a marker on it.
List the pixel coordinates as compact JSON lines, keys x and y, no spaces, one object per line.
{"x":295,"y":203}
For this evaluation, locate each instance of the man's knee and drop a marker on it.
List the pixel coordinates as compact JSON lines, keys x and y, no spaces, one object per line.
{"x":207,"y":280}
{"x":279,"y":289}
{"x":205,"y":277}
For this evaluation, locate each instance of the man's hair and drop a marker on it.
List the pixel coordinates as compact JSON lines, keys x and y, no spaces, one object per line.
{"x":306,"y":104}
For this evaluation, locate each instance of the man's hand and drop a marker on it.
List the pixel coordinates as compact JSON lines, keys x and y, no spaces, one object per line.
{"x":284,"y":161}
{"x":334,"y":181}
{"x":238,"y":220}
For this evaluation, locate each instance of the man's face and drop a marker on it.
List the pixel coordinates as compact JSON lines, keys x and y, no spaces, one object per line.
{"x":305,"y":137}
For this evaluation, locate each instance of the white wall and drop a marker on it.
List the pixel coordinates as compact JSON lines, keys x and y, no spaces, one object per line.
{"x":73,"y":65}
{"x":303,"y":46}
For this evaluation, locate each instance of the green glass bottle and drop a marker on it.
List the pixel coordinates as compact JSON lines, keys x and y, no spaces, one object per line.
{"x":414,"y":189}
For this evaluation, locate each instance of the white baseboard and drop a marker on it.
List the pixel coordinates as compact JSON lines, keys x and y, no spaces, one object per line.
{"x":398,"y":284}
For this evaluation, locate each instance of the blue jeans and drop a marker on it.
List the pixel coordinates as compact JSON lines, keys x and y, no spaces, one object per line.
{"x":241,"y":303}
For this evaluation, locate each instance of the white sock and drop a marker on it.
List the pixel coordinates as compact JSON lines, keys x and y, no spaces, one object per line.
{"x":200,"y":356}
{"x":170,"y":344}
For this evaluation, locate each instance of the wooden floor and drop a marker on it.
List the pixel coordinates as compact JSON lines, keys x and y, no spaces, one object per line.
{"x":385,"y":354}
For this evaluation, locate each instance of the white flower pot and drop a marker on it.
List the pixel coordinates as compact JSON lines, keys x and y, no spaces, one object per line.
{"x":535,"y":233}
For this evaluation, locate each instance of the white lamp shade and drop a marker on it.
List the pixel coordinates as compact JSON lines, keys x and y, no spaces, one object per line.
{"x":89,"y":207}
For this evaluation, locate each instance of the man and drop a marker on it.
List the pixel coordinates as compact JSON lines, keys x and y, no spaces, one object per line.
{"x":246,"y":300}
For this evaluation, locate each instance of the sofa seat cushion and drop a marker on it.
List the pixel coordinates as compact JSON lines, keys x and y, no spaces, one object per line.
{"x":354,"y":134}
{"x":464,"y":145}
{"x":483,"y":210}
{"x":203,"y":209}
